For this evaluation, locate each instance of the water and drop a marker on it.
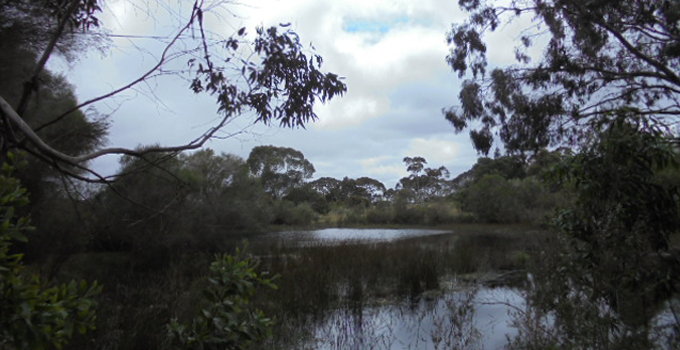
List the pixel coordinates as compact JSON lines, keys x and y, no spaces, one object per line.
{"x":478,"y":319}
{"x":331,"y":236}
{"x":475,"y":318}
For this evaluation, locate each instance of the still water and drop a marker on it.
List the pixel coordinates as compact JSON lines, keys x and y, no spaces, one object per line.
{"x":468,"y":318}
{"x":480,"y":319}
{"x":331,"y":236}
{"x":458,"y":317}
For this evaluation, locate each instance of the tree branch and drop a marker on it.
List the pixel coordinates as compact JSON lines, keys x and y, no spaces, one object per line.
{"x":671,"y":76}
{"x":30,"y":85}
{"x":51,"y":153}
{"x":161,"y":61}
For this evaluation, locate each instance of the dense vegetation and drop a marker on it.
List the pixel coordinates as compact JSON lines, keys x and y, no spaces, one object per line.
{"x":602,"y":216}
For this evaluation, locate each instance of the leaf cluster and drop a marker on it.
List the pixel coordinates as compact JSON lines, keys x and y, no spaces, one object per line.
{"x":613,"y":258}
{"x":283,"y":84}
{"x":228,"y":321}
{"x":597,"y":57}
{"x":34,"y":315}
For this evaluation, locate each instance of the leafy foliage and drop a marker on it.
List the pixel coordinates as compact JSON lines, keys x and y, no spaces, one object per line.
{"x":277,"y":81}
{"x":34,"y":315}
{"x":613,"y":268}
{"x":424,"y":182}
{"x":597,"y":57}
{"x":279,"y":168}
{"x":194,"y":201}
{"x":228,"y":321}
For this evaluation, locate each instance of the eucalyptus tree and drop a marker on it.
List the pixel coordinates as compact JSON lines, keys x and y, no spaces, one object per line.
{"x":273,"y":77}
{"x":509,"y":167}
{"x":613,"y":267}
{"x":607,"y":82}
{"x":424,"y":182}
{"x":597,"y":57}
{"x":374,"y":189}
{"x":279,"y":168}
{"x":223,"y":197}
{"x":328,"y":187}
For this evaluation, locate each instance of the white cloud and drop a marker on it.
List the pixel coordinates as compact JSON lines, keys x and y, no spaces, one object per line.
{"x":408,"y":46}
{"x":397,"y":79}
{"x":385,"y":167}
{"x":436,"y":151}
{"x":396,"y":170}
{"x":370,"y":162}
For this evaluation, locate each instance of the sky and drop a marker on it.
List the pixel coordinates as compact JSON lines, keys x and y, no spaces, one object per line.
{"x":391,"y":54}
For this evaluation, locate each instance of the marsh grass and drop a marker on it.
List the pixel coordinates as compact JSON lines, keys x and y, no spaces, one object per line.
{"x":316,"y":280}
{"x":139,"y":298}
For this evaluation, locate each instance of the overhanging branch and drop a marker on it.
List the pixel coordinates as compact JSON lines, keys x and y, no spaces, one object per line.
{"x":51,"y":153}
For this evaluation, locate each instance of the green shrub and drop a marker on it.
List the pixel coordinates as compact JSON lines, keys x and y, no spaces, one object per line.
{"x":379,"y":215}
{"x":228,"y":320}
{"x":287,"y":213}
{"x":32,"y":314}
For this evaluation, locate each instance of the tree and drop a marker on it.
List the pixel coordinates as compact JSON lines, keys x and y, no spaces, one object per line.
{"x":426,"y":185}
{"x":276,"y":80}
{"x":598,"y":56}
{"x":353,"y":194}
{"x":306,"y":194}
{"x":614,"y":246}
{"x":178,"y":204}
{"x":374,"y":189}
{"x":329,"y":187}
{"x":415,"y":165}
{"x":279,"y":168}
{"x":508,"y":167}
{"x":492,"y":199}
{"x":138,"y":210}
{"x":222,"y":197}
{"x":78,"y":133}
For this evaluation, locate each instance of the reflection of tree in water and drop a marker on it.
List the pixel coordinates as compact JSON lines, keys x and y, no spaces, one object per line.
{"x":611,"y":269}
{"x":440,"y":322}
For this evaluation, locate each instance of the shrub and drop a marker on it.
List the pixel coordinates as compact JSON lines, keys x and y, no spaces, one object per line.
{"x":287,"y":213}
{"x":379,"y":215}
{"x":33,"y":315}
{"x":228,"y":321}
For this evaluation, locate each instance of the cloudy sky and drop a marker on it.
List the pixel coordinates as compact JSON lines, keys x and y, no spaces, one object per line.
{"x":391,"y":54}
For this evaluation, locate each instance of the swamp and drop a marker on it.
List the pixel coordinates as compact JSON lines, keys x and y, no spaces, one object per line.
{"x":556,"y":228}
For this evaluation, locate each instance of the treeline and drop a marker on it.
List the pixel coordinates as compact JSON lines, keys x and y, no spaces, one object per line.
{"x":165,"y":205}
{"x":169,"y":204}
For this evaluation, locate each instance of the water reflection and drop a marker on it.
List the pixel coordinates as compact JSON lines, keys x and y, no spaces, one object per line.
{"x":479,"y":319}
{"x":337,"y":235}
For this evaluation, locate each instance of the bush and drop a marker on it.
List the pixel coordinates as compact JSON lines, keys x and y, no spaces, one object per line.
{"x":33,"y":315}
{"x":438,"y":213}
{"x":380,"y":214}
{"x":287,"y":213}
{"x":228,"y":321}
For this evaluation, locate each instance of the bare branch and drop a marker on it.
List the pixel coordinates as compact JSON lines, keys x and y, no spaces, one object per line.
{"x":671,"y":76}
{"x":30,"y":86}
{"x":50,"y":152}
{"x":163,"y":59}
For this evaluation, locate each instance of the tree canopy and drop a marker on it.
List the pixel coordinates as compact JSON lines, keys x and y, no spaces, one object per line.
{"x":598,"y":56}
{"x":273,"y":76}
{"x":424,"y":182}
{"x":280,"y":168}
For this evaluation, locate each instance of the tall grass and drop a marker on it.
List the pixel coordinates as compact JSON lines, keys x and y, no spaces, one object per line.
{"x":139,"y":298}
{"x":354,"y":275}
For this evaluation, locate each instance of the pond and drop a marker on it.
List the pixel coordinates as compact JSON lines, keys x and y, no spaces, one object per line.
{"x":410,"y":288}
{"x":332,"y":236}
{"x":473,"y":319}
{"x":459,"y":315}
